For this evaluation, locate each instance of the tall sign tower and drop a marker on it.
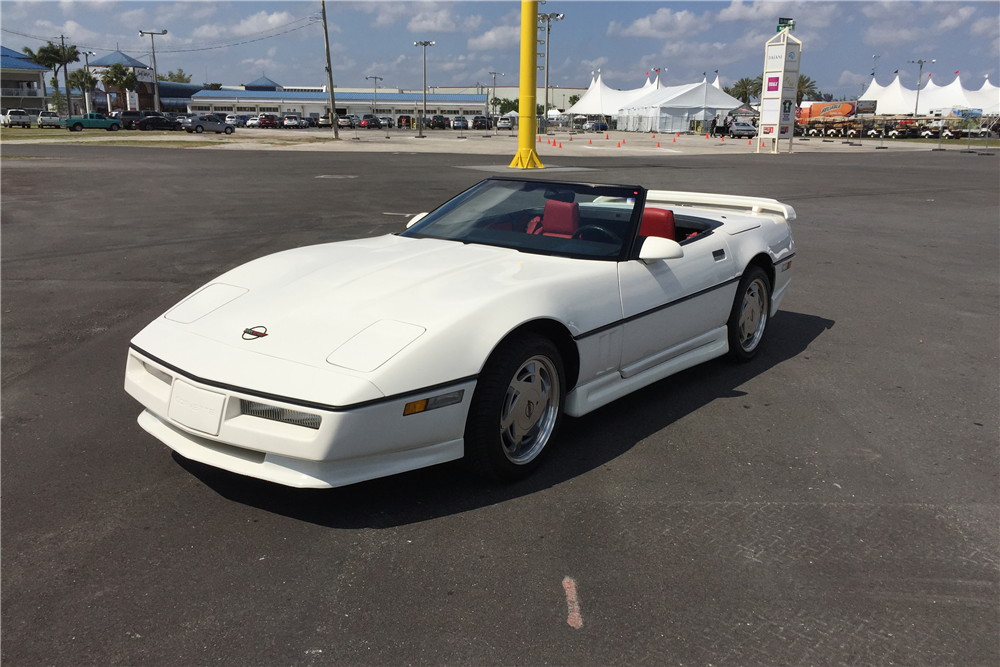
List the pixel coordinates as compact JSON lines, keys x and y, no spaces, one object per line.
{"x":782,"y":54}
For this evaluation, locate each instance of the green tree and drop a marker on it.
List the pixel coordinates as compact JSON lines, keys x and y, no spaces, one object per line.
{"x":120,"y":78}
{"x":213,"y":86}
{"x":573,"y":99}
{"x":743,"y":89}
{"x":506,"y":106}
{"x":177,"y":77}
{"x":82,"y":79}
{"x":757,"y":87}
{"x":58,"y":99}
{"x":54,"y":57}
{"x":806,"y":89}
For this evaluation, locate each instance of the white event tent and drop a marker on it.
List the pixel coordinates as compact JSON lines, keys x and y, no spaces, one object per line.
{"x":896,"y":99}
{"x":672,"y":109}
{"x":600,"y":100}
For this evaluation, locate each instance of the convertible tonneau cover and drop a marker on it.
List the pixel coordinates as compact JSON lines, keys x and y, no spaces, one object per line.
{"x":751,"y":204}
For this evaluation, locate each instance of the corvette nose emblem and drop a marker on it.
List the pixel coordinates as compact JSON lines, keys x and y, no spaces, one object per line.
{"x":254,"y":333}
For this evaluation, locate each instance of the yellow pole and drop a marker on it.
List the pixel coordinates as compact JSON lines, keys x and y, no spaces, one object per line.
{"x":526,"y":157}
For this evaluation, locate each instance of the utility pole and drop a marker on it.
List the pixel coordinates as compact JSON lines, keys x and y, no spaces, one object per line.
{"x":875,"y":64}
{"x":493,"y":97}
{"x":329,"y":76}
{"x":86,"y":68}
{"x":375,"y":100}
{"x":156,"y":79}
{"x":62,"y":42}
{"x":420,"y":121}
{"x":547,"y":19}
{"x":919,"y":75}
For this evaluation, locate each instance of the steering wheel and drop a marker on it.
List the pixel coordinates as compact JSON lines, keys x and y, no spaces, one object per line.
{"x":578,"y":234}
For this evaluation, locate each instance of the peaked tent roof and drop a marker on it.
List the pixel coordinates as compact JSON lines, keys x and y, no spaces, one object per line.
{"x":600,"y":99}
{"x":263,"y":81}
{"x":117,"y":57}
{"x":895,"y":99}
{"x":873,"y":92}
{"x":940,"y":97}
{"x":688,"y":96}
{"x":986,"y":98}
{"x":716,"y":83}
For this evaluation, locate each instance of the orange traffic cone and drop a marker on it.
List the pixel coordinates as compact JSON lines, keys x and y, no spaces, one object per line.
{"x":560,"y":144}
{"x":723,"y":140}
{"x":749,"y":142}
{"x":607,"y":136}
{"x":654,"y":135}
{"x":675,"y":139}
{"x":706,"y":135}
{"x":571,"y":137}
{"x":619,"y":144}
{"x":591,"y":142}
{"x":539,"y":138}
{"x":678,"y":135}
{"x":623,"y":141}
{"x":657,"y":144}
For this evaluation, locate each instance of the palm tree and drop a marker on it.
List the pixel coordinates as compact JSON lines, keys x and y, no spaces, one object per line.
{"x":55,"y":57}
{"x":757,"y":86}
{"x":806,"y":88}
{"x":743,"y":89}
{"x":120,"y":78}
{"x":84,"y":80}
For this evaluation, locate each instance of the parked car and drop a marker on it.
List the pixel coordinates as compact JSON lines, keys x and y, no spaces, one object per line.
{"x":253,"y":121}
{"x":92,"y":121}
{"x":324,"y":121}
{"x":18,"y":117}
{"x":158,"y":123}
{"x":48,"y":119}
{"x":345,"y":121}
{"x":290,"y":121}
{"x":459,"y":123}
{"x":131,"y":117}
{"x":369,"y":122}
{"x":595,"y":126}
{"x":903,"y":132}
{"x":355,"y":120}
{"x":207,"y":123}
{"x":479,"y":364}
{"x":236,"y":120}
{"x":385,"y":120}
{"x":404,"y":122}
{"x":740,"y":129}
{"x":439,"y":122}
{"x":268,"y":120}
{"x":480,"y":123}
{"x":504,"y":123}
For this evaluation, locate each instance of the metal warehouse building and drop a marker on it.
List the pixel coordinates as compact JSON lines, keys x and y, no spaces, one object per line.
{"x":316,"y":104}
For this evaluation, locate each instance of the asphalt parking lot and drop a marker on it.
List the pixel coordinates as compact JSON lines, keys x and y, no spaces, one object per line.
{"x":833,"y":502}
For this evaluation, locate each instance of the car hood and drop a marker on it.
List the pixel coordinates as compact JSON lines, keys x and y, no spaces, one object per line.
{"x":353,"y":306}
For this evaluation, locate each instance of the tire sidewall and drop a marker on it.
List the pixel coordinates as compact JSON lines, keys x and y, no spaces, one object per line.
{"x":484,"y":452}
{"x":736,"y":351}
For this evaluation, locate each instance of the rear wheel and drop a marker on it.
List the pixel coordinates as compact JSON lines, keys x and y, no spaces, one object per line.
{"x":114,"y":127}
{"x":748,"y":319}
{"x":77,"y":127}
{"x":516,"y":408}
{"x":199,"y":129}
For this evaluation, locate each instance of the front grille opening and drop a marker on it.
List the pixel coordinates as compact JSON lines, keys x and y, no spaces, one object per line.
{"x":157,"y":373}
{"x":274,"y":413}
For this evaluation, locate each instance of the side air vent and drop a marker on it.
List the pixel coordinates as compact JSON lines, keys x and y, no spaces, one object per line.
{"x":274,"y":413}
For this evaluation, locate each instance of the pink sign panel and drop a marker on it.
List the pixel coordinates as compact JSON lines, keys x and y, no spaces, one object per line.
{"x":772,"y":84}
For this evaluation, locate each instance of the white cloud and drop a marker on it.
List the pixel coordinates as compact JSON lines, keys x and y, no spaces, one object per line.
{"x":257,"y":65}
{"x":664,"y":24}
{"x":501,"y":37}
{"x":808,"y":14}
{"x":849,"y":78}
{"x":134,"y":18}
{"x":442,"y":20}
{"x":71,"y":29}
{"x":596,"y":63}
{"x":262,"y":21}
{"x":877,"y":35}
{"x":957,"y":18}
{"x":207,"y":31}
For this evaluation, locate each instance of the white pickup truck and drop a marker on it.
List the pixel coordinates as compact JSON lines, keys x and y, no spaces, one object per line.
{"x":17,"y":117}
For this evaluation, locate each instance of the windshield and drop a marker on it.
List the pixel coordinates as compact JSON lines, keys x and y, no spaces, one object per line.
{"x":560,"y":219}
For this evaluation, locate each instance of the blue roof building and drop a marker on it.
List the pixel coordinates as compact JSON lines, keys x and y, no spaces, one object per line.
{"x":22,"y":82}
{"x":118,"y":58}
{"x":263,"y":84}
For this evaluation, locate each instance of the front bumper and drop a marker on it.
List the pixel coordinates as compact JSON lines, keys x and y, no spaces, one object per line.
{"x":206,"y":423}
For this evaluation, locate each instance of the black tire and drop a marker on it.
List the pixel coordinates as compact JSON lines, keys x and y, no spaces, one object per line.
{"x":229,"y":130}
{"x":114,"y":127}
{"x":77,"y":127}
{"x":199,"y":129}
{"x":751,"y":310}
{"x":533,"y":407}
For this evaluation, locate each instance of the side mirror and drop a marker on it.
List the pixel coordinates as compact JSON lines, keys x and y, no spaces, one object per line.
{"x":655,"y":248}
{"x":415,"y":219}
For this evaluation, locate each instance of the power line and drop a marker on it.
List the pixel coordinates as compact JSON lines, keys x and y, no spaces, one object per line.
{"x":210,"y":46}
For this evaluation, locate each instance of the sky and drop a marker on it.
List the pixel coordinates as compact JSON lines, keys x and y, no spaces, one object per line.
{"x":235,"y":42}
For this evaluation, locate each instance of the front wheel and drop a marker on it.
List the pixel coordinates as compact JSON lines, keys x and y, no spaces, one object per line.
{"x":748,"y":319}
{"x":77,"y":127}
{"x":199,"y":129}
{"x":113,"y":128}
{"x":516,"y":408}
{"x":229,"y":130}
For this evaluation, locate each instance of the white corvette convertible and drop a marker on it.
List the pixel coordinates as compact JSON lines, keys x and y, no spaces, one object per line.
{"x":470,"y":334}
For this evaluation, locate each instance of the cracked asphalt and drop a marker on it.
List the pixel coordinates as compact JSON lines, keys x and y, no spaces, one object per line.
{"x":833,"y":502}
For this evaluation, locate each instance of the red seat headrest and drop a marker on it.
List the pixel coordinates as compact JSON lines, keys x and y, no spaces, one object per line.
{"x":658,"y":222}
{"x":561,"y":218}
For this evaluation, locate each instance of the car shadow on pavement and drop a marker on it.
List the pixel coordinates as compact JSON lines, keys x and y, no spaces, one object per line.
{"x":597,"y":439}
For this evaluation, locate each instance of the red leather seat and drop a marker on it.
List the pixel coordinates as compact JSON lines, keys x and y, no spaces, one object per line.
{"x":658,"y":222}
{"x":561,"y":218}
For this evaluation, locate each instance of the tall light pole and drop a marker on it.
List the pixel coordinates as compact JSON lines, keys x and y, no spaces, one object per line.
{"x":494,"y":96}
{"x":375,"y":100}
{"x":919,"y":74}
{"x":156,"y":80}
{"x":329,"y":77}
{"x":875,"y":64}
{"x":420,"y":120}
{"x":86,"y":68}
{"x":547,"y":19}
